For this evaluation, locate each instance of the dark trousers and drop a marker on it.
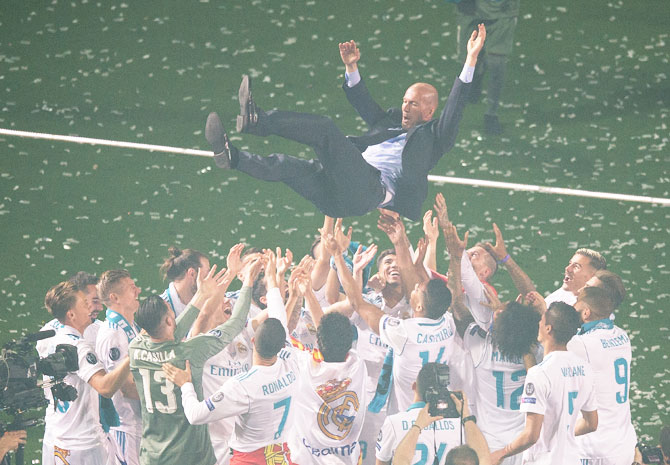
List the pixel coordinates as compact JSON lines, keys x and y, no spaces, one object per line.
{"x":340,"y":183}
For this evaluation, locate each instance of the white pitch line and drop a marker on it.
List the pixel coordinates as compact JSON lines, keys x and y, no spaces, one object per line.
{"x":432,"y":178}
{"x":548,"y":190}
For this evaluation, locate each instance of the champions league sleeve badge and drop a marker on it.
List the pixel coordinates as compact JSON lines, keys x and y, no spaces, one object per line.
{"x":530,"y":389}
{"x":114,"y":354}
{"x":91,"y":358}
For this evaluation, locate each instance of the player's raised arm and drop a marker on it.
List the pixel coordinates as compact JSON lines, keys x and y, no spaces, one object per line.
{"x":350,"y":55}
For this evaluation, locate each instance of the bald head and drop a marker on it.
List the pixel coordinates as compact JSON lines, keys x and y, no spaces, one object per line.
{"x":418,"y":104}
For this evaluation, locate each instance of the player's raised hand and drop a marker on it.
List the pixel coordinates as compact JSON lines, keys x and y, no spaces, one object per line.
{"x":441,"y":212}
{"x":455,"y":245}
{"x":475,"y":44}
{"x":253,"y":269}
{"x":207,"y":285}
{"x":363,"y":257}
{"x":499,"y":250}
{"x":177,"y":375}
{"x":430,"y":229}
{"x":350,"y":55}
{"x":342,"y":239}
{"x":234,"y":260}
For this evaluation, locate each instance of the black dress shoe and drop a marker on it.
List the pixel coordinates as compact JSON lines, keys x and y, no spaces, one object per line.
{"x":248,"y":117}
{"x":218,"y":139}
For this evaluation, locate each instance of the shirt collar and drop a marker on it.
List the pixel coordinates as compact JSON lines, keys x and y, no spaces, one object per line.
{"x":605,"y":323}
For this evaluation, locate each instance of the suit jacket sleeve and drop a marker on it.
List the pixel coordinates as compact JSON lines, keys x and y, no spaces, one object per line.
{"x":367,"y":108}
{"x":445,"y":128}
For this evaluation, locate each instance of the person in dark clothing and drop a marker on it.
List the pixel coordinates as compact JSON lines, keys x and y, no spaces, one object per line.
{"x":351,"y":176}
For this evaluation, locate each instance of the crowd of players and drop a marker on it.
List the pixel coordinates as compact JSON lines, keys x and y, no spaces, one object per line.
{"x":326,"y":361}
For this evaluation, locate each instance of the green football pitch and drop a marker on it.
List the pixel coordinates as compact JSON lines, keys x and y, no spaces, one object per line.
{"x":586,"y":106}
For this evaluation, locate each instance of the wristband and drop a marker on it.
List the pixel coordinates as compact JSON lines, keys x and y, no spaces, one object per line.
{"x":417,"y":426}
{"x":504,"y":260}
{"x":471,"y":418}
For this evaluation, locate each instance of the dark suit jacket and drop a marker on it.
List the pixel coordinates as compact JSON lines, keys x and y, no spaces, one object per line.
{"x":426,"y":143}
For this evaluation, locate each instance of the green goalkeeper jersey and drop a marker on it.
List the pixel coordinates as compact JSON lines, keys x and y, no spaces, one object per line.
{"x":167,"y":436}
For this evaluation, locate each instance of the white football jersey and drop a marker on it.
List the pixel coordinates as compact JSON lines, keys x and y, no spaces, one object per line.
{"x":561,"y":295}
{"x":76,"y":424}
{"x":369,"y":345}
{"x":112,"y":347}
{"x":499,"y":388}
{"x":329,"y":411}
{"x":475,"y":295}
{"x":559,"y":388}
{"x":42,"y":347}
{"x":434,"y":441}
{"x":415,"y":342}
{"x":260,"y":400}
{"x":305,"y":330}
{"x":234,"y":359}
{"x":607,"y":349}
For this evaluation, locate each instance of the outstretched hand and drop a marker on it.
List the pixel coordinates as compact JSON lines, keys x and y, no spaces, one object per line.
{"x":208,"y":285}
{"x":441,"y":212}
{"x":363,"y":257}
{"x":343,"y":240}
{"x":430,"y":229}
{"x":350,"y":55}
{"x":177,"y":375}
{"x":392,"y":226}
{"x":475,"y":44}
{"x":499,"y":251}
{"x":234,"y":260}
{"x":455,"y":245}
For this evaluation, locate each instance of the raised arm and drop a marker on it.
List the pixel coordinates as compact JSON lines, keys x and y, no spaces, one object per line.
{"x":368,"y":312}
{"x":391,"y":223}
{"x":499,"y":251}
{"x":473,"y":435}
{"x":404,"y":453}
{"x":350,"y":55}
{"x":431,"y":232}
{"x":322,"y":256}
{"x":207,"y":286}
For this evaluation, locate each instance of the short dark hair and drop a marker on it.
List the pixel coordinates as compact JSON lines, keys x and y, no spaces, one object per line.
{"x":61,"y":298}
{"x":108,"y":282}
{"x":598,"y":301}
{"x":462,"y":455}
{"x":383,"y":254}
{"x":515,"y":330}
{"x":334,"y":336}
{"x":270,"y":338}
{"x":437,"y":299}
{"x":150,"y":314}
{"x":597,"y":260}
{"x":82,"y":280}
{"x":613,"y":285}
{"x":564,"y":321}
{"x":179,"y":262}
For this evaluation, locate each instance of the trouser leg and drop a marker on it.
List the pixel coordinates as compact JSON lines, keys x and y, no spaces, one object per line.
{"x":308,"y":179}
{"x":497,"y":65}
{"x":353,"y":185}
